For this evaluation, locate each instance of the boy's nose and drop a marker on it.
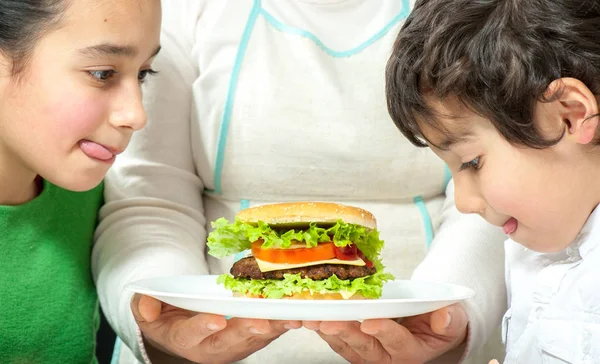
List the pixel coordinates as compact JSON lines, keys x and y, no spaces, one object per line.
{"x":467,"y":198}
{"x":470,"y":205}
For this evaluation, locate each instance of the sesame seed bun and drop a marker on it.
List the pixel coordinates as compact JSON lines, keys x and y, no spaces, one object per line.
{"x":297,"y":214}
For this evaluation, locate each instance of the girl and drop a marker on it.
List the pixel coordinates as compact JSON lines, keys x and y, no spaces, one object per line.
{"x":70,"y":99}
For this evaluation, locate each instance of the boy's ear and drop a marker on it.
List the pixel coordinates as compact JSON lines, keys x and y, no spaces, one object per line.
{"x":578,"y":109}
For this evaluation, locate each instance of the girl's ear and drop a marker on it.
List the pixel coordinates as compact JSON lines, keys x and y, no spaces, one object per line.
{"x":6,"y":68}
{"x":577,"y":108}
{"x":5,"y":65}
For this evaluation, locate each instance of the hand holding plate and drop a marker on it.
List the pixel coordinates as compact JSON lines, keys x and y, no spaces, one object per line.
{"x":416,"y":339}
{"x":201,"y":337}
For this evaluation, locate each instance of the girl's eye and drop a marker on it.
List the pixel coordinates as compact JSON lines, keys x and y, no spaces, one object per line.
{"x":102,"y":75}
{"x":142,"y":75}
{"x":474,"y":164}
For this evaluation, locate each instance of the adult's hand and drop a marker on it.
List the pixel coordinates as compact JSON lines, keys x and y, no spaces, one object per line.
{"x":201,"y":337}
{"x":416,"y":339}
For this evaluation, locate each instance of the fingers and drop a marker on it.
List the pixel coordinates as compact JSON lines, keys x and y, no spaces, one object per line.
{"x":186,"y":333}
{"x":149,"y":308}
{"x":413,"y":340}
{"x":243,"y":337}
{"x":241,"y":334}
{"x":366,"y":346}
{"x":346,"y":339}
{"x":283,"y":326}
{"x":171,"y":329}
{"x":339,"y":346}
{"x":421,"y":338}
{"x":396,"y":339}
{"x":200,"y":335}
{"x":209,"y":337}
{"x":312,"y":325}
{"x":451,"y":322}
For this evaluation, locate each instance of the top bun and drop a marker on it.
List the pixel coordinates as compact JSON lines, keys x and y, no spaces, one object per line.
{"x":297,"y":214}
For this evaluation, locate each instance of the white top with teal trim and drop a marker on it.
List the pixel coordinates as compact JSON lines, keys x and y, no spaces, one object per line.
{"x":272,"y":101}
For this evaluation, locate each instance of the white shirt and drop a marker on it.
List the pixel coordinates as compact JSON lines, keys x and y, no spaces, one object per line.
{"x":554,"y":301}
{"x":271,"y":101}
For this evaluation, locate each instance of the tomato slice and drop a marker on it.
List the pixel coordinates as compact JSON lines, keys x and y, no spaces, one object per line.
{"x":347,"y":252}
{"x":368,"y":263}
{"x":322,"y":251}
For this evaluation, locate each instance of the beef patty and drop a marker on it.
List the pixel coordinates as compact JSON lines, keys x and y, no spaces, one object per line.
{"x":248,"y":268}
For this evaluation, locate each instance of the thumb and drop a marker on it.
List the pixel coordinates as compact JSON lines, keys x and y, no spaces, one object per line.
{"x":145,"y":308}
{"x":494,"y":361}
{"x":450,"y":321}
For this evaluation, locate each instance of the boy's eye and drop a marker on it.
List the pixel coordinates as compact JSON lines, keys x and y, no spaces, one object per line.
{"x":142,"y":75}
{"x":102,"y":75}
{"x":474,"y":164}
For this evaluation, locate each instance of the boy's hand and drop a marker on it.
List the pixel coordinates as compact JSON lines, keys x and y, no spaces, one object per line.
{"x":201,"y":337}
{"x":417,"y":339}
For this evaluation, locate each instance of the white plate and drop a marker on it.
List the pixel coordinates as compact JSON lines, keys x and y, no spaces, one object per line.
{"x":401,"y":298}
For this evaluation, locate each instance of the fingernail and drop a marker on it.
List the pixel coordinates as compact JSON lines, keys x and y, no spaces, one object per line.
{"x":213,"y":327}
{"x":448,"y":320}
{"x":289,"y":327}
{"x":369,"y":332}
{"x":255,"y":331}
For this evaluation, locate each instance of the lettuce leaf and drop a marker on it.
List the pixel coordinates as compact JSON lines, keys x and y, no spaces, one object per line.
{"x":369,"y":287}
{"x":231,"y":238}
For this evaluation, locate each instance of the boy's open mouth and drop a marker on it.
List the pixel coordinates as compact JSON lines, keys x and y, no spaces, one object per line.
{"x":510,"y":226}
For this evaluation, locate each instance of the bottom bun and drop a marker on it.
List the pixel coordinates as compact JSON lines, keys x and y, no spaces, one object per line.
{"x":310,"y":296}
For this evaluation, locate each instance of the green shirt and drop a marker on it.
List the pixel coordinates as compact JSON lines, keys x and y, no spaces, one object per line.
{"x":48,"y":301}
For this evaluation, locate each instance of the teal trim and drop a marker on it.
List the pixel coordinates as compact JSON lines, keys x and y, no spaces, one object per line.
{"x":244,"y":204}
{"x":254,"y":13}
{"x":116,"y":351}
{"x":235,"y":73}
{"x":447,"y":176}
{"x":338,"y":54}
{"x":426,"y":219}
{"x":239,"y":256}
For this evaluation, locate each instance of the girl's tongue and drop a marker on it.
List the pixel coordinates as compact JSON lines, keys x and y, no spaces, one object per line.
{"x":510,"y":226}
{"x":95,"y":150}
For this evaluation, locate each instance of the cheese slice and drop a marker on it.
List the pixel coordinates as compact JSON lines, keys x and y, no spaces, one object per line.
{"x":265,"y":266}
{"x":346,"y":294}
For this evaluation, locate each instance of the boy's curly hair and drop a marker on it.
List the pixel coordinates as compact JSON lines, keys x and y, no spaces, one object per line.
{"x":497,"y":57}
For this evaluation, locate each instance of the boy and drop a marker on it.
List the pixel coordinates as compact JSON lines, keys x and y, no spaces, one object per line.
{"x":506,"y":93}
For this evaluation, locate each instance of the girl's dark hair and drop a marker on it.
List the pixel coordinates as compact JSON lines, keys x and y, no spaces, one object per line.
{"x":23,"y":23}
{"x":497,"y":57}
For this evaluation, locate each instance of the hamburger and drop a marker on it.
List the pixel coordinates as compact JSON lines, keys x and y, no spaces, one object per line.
{"x":301,"y":250}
